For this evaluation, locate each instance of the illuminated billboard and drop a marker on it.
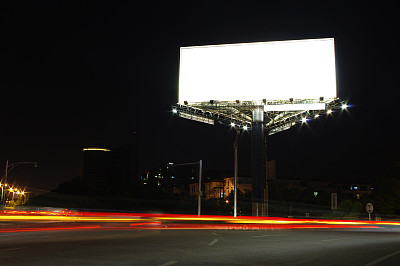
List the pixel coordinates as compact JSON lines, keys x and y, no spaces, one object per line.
{"x":299,"y":69}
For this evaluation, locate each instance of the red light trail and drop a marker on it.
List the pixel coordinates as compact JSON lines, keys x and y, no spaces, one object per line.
{"x":156,"y":221}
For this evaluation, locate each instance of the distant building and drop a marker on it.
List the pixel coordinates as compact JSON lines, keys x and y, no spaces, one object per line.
{"x":109,"y":170}
{"x":171,"y":179}
{"x":243,"y":185}
{"x":355,"y":189}
{"x":223,"y":186}
{"x":97,"y":169}
{"x":183,"y":180}
{"x":219,"y":189}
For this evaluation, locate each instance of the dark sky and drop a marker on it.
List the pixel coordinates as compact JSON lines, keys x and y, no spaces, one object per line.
{"x":75,"y":73}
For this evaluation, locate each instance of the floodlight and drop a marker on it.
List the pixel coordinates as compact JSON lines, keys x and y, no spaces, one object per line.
{"x":329,"y":111}
{"x":232,"y":124}
{"x":344,"y":106}
{"x":245,"y":127}
{"x":174,"y":111}
{"x":304,"y":119}
{"x":316,"y":116}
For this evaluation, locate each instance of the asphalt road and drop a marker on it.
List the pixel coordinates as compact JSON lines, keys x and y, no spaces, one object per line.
{"x":201,"y":247}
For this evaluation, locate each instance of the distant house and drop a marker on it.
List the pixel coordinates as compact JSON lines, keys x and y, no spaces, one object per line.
{"x":219,"y":189}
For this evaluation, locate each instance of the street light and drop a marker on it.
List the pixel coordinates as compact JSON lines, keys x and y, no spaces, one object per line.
{"x":12,"y":190}
{"x":9,"y":168}
{"x":200,"y":163}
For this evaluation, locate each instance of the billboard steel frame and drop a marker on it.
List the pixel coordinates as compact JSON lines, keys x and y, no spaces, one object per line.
{"x":250,"y":115}
{"x":239,"y":114}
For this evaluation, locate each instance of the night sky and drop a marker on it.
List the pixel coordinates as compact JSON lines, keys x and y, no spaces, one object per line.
{"x":77,"y":73}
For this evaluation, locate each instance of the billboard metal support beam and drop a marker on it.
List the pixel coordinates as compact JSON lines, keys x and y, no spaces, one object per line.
{"x":257,"y":164}
{"x":243,"y":114}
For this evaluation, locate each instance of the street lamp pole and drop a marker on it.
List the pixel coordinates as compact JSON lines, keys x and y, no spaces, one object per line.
{"x":235,"y":148}
{"x":9,"y":168}
{"x":200,"y":163}
{"x":200,"y":192}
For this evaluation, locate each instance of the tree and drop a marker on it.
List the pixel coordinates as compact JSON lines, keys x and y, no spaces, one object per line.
{"x":387,"y":196}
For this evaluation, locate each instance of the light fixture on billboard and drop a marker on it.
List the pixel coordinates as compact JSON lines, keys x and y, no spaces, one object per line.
{"x":291,"y":100}
{"x":237,"y":101}
{"x":185,"y":102}
{"x":321,"y":99}
{"x":264,"y":101}
{"x":316,"y":116}
{"x":212,"y":101}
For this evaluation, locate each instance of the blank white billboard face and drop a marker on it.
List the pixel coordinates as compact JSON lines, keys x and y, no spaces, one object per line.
{"x":302,"y":69}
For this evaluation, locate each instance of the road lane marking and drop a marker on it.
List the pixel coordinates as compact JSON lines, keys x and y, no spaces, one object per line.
{"x":270,"y":235}
{"x":379,"y":260}
{"x":213,"y":242}
{"x":10,"y":249}
{"x":335,"y":239}
{"x":216,"y":234}
{"x":169,"y":263}
{"x":109,"y":236}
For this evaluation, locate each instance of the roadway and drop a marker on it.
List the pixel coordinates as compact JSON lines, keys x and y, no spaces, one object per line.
{"x":104,"y":246}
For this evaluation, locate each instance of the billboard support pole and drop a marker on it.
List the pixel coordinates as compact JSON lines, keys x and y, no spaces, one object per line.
{"x":257,"y":163}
